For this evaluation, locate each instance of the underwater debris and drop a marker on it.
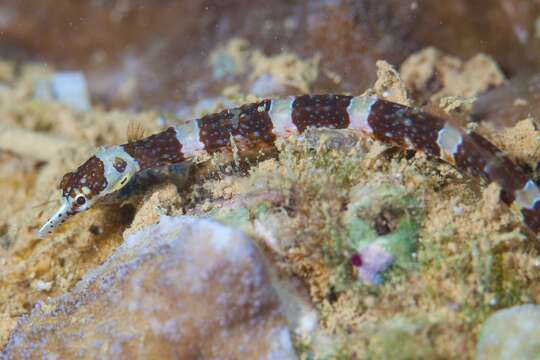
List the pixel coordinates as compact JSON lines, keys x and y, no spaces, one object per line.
{"x":145,"y":301}
{"x":269,"y":74}
{"x":434,"y":74}
{"x":231,"y":58}
{"x":25,"y":142}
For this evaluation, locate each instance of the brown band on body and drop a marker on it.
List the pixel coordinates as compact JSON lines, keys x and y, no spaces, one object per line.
{"x":156,"y":150}
{"x":249,"y":122}
{"x":398,"y":124}
{"x":321,"y":111}
{"x":91,"y":175}
{"x":481,"y":158}
{"x":531,"y":217}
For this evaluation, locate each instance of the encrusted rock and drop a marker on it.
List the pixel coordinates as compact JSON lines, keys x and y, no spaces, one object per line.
{"x":183,"y":288}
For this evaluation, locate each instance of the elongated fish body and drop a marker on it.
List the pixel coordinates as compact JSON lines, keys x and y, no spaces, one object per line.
{"x":259,"y":124}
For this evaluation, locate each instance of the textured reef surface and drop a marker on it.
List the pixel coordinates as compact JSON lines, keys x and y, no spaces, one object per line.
{"x":329,"y":246}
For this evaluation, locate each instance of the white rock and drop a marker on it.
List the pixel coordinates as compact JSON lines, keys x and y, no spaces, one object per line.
{"x":184,"y":288}
{"x":511,"y":334}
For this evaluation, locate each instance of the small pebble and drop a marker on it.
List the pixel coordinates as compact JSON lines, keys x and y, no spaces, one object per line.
{"x":509,"y":334}
{"x":70,"y":89}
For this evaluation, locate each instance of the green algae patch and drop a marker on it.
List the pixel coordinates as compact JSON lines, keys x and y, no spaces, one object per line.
{"x":237,"y":218}
{"x":384,"y":214}
{"x":400,"y":338}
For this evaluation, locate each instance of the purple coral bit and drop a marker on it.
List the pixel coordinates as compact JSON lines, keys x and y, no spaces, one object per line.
{"x":356,"y":260}
{"x":370,"y":262}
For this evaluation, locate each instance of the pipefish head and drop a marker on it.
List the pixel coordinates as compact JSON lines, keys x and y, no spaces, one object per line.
{"x":107,"y":171}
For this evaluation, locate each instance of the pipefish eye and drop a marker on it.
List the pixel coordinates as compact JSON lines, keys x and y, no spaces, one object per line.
{"x":81,"y":200}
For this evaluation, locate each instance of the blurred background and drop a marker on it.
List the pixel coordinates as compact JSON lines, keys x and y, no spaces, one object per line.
{"x":142,"y":54}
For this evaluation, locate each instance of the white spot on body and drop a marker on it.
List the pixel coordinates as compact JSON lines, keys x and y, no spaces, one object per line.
{"x":449,"y":139}
{"x":408,"y":143}
{"x":188,"y":135}
{"x":527,"y":197}
{"x":281,"y":115}
{"x":358,"y":110}
{"x":407,"y":122}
